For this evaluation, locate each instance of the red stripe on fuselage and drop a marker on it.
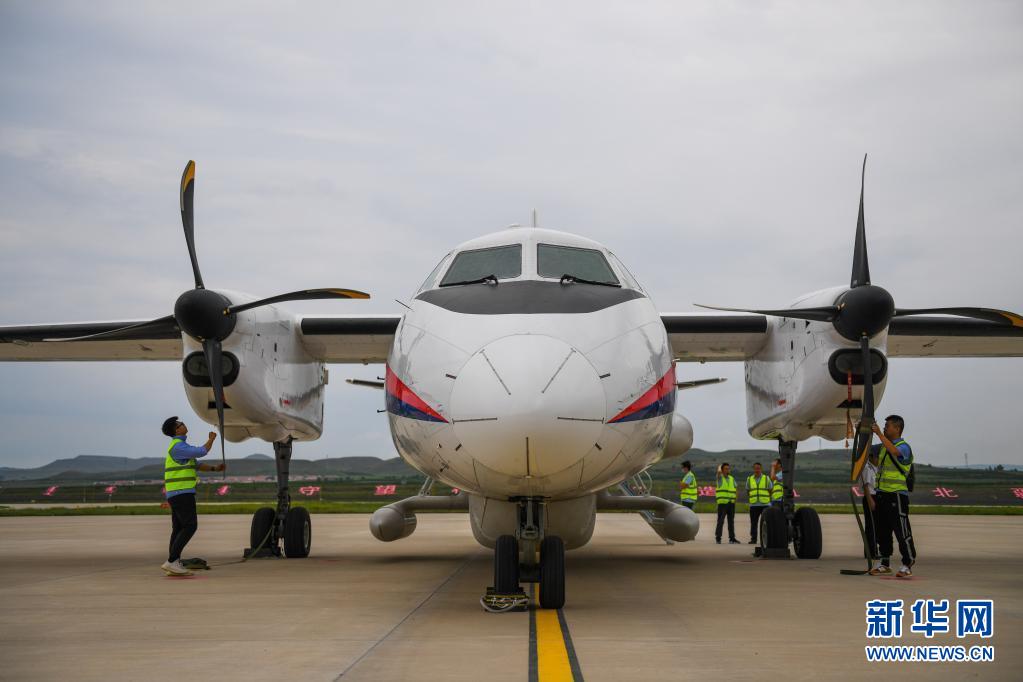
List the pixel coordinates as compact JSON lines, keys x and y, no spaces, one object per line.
{"x":395,"y":387}
{"x":656,"y":392}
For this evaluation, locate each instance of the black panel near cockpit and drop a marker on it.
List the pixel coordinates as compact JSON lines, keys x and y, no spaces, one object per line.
{"x":527,"y":297}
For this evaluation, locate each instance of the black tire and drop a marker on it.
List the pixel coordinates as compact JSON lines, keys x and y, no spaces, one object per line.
{"x":808,"y":538}
{"x":552,"y":572}
{"x":298,"y":533}
{"x":773,"y":531}
{"x":262,"y":522}
{"x":506,"y":565}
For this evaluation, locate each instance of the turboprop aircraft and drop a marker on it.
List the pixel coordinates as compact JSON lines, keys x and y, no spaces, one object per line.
{"x":532,"y":372}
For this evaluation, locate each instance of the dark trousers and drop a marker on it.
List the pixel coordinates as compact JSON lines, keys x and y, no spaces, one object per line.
{"x":184,"y":523}
{"x":689,"y":503}
{"x":893,"y":517}
{"x":754,"y":521}
{"x":725,"y":510}
{"x":870,"y":528}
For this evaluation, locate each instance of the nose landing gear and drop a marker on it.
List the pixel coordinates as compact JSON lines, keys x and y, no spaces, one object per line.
{"x":528,"y":556}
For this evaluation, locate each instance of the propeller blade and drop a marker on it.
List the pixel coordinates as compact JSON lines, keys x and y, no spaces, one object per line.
{"x":132,"y":331}
{"x":987,"y":314}
{"x":859,"y":459}
{"x":212,"y":350}
{"x":822,"y":314}
{"x":304,"y":295}
{"x":868,"y":386}
{"x":861,"y":446}
{"x":860,"y":267}
{"x":187,"y":218}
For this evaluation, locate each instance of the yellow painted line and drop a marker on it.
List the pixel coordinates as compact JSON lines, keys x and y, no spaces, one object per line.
{"x":551,"y":654}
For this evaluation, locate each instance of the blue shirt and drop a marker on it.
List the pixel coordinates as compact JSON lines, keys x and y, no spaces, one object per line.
{"x":181,"y":453}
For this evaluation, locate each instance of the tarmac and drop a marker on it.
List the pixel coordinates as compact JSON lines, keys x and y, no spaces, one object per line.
{"x":83,"y":598}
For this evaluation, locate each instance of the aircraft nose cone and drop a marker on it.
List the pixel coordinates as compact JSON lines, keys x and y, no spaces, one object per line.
{"x":528,"y":405}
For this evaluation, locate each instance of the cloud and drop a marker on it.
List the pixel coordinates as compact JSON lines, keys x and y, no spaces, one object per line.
{"x":714,"y":147}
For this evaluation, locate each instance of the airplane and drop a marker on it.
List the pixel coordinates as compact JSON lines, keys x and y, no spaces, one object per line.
{"x":532,"y":372}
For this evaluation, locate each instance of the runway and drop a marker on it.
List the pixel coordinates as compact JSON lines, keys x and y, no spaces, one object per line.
{"x":83,"y":598}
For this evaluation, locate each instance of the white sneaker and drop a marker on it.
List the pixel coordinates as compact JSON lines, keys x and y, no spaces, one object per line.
{"x":175,"y":568}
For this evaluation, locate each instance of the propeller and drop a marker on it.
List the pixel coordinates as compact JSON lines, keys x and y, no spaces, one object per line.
{"x":865,"y":309}
{"x":207,"y":316}
{"x":862,"y":311}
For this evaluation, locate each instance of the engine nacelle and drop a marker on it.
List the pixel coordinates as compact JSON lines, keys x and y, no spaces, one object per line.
{"x":797,"y":384}
{"x":273,"y":389}
{"x":681,"y":438}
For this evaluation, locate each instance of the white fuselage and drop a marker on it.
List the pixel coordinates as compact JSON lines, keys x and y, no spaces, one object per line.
{"x":525,"y":381}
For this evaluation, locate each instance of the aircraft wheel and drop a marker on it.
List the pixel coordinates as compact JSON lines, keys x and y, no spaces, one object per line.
{"x":506,"y":565}
{"x":807,"y":539}
{"x":552,"y":572}
{"x":262,"y":522}
{"x":773,"y":532}
{"x":298,"y":533}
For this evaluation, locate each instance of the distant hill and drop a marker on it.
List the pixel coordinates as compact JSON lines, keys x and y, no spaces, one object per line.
{"x":820,"y":466}
{"x":82,"y":464}
{"x":100,"y":467}
{"x":812,"y":466}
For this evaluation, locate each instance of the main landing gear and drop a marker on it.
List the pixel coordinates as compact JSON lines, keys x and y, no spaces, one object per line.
{"x":529,"y":556}
{"x":287,"y":525}
{"x":780,"y":525}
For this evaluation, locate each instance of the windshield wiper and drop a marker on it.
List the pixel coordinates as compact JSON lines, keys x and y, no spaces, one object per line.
{"x":489,"y":279}
{"x":572,"y":279}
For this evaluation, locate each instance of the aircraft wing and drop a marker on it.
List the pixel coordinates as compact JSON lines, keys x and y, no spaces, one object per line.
{"x":950,"y":337}
{"x":711,"y":337}
{"x":349,"y":338}
{"x":28,"y":343}
{"x":339,"y":339}
{"x":714,"y":337}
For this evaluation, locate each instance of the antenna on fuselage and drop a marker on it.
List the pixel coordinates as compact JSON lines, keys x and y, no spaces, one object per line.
{"x":534,"y":219}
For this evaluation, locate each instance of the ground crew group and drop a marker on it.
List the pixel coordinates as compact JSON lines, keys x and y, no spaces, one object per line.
{"x":885,"y":482}
{"x":762,"y":489}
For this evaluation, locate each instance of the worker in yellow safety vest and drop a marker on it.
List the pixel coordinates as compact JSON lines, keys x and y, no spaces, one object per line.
{"x":180,"y":474}
{"x":895,"y":462}
{"x":777,"y":487}
{"x":689,"y":491}
{"x":758,"y":487}
{"x":724,"y":493}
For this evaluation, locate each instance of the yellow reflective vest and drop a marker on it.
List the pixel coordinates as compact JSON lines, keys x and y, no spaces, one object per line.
{"x":178,"y":476}
{"x":759,"y":493}
{"x":889,"y":477}
{"x":777,"y":491}
{"x":725,"y":492}
{"x":690,"y":493}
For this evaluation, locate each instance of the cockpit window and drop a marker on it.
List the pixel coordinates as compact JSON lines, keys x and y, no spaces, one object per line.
{"x":432,"y":277}
{"x":557,"y":261}
{"x":630,"y":281}
{"x":503,"y":262}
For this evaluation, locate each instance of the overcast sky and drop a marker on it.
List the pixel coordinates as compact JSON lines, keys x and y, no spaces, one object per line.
{"x":715,"y":147}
